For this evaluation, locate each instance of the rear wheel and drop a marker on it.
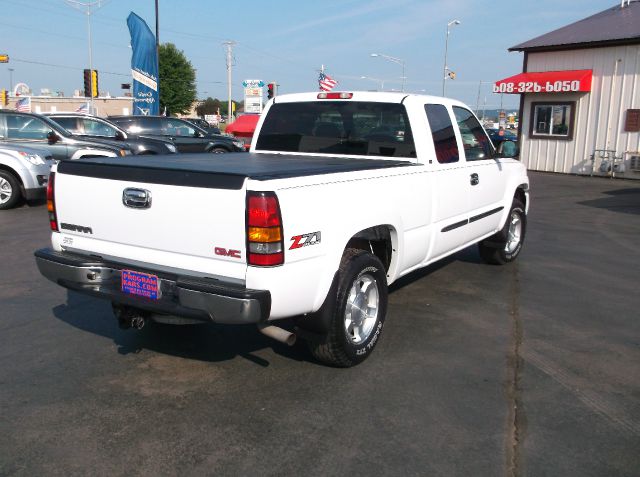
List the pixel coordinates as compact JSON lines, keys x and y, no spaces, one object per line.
{"x":505,"y":246}
{"x":10,"y":193}
{"x":360,"y":309}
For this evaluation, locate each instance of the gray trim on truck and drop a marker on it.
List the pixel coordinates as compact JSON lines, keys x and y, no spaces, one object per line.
{"x":203,"y":299}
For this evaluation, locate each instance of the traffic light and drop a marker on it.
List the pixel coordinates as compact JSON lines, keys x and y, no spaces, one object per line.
{"x":94,"y":83}
{"x":87,"y":83}
{"x":271,"y":90}
{"x":452,"y":75}
{"x":4,"y":97}
{"x":90,"y":83}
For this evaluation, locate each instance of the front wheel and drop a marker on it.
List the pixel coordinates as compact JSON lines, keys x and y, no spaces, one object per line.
{"x":10,"y":193}
{"x":505,"y":246}
{"x":219,"y":150}
{"x":358,"y":317}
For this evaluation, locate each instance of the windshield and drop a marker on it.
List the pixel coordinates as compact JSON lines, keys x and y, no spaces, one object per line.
{"x":338,"y":127}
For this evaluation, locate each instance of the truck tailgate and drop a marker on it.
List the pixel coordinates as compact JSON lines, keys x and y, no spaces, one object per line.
{"x":188,"y":220}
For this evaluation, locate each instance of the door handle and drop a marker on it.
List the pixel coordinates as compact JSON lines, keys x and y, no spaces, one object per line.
{"x":475,"y":180}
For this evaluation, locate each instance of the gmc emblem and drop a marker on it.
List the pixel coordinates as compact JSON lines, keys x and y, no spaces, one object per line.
{"x":227,"y":253}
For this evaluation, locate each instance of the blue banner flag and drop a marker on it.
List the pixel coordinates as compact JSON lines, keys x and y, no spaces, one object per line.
{"x":144,"y":67}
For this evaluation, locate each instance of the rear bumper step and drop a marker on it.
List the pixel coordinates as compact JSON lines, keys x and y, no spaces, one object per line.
{"x":197,"y":298}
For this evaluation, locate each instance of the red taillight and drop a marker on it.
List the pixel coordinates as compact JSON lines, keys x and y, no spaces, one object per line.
{"x":265,"y":247}
{"x":335,"y":95}
{"x":263,"y":210}
{"x":51,"y":202}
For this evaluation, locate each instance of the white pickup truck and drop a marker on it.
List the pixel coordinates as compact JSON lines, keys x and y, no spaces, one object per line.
{"x":340,"y":195}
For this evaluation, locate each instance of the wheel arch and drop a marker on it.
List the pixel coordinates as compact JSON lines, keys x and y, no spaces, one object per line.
{"x":12,"y":171}
{"x":380,"y":240}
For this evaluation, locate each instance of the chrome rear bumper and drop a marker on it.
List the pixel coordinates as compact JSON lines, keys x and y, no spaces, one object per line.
{"x":196,"y":298}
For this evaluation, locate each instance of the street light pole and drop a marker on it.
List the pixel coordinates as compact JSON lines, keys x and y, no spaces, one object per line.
{"x":78,"y":4}
{"x":394,"y":60}
{"x":446,"y":50}
{"x":10,"y":80}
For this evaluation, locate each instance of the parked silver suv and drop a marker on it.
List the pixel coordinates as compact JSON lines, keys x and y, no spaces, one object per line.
{"x":24,"y":173}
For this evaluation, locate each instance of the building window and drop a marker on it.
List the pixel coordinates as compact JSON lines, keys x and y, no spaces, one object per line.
{"x":552,"y":120}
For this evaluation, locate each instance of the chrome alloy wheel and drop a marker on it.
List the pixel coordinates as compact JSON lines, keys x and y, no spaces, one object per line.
{"x":514,"y":235}
{"x":361,"y":310}
{"x":6,"y":190}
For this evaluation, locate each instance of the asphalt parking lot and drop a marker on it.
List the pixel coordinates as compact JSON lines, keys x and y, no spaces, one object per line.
{"x":528,"y":369}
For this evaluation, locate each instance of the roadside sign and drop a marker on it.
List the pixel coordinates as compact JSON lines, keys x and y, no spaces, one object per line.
{"x":253,"y":96}
{"x":4,"y":58}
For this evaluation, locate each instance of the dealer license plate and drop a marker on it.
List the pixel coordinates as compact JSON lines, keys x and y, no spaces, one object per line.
{"x":140,"y":284}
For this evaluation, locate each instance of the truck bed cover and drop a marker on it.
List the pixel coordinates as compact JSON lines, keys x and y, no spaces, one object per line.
{"x":226,"y":171}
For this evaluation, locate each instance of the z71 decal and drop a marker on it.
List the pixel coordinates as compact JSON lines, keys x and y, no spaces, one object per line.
{"x":303,"y":240}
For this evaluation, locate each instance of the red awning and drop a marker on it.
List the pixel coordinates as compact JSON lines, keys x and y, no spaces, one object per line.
{"x":569,"y":81}
{"x":244,"y":126}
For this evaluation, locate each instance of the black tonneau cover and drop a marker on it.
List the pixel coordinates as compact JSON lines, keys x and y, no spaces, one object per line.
{"x":222,"y":171}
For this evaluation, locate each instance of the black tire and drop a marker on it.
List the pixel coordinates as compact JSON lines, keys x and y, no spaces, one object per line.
{"x":344,"y":348}
{"x":219,"y":150}
{"x":506,"y":245}
{"x":10,"y":193}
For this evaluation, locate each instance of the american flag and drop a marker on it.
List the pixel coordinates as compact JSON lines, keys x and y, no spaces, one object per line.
{"x":83,"y":108}
{"x":326,"y":82}
{"x":24,"y":105}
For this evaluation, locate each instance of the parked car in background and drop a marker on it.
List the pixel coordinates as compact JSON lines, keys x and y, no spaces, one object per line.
{"x":35,"y":130}
{"x":498,"y":135}
{"x":186,"y":136}
{"x":203,"y":124}
{"x":24,"y":173}
{"x":85,"y":125}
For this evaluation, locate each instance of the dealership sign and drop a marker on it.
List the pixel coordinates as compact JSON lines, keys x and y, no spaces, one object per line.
{"x":253,"y":96}
{"x":569,"y":81}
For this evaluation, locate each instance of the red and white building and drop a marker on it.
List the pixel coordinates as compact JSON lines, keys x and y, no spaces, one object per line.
{"x":580,"y":96}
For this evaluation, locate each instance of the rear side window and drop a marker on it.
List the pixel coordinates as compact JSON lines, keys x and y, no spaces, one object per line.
{"x":444,"y":138}
{"x":474,"y":139}
{"x":70,"y":124}
{"x":338,"y":127}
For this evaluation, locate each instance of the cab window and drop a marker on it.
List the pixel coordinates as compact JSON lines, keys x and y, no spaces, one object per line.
{"x":338,"y":127}
{"x":474,"y":140}
{"x":444,"y":137}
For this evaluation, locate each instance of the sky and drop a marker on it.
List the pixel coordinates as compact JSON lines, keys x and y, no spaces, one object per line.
{"x":287,"y":41}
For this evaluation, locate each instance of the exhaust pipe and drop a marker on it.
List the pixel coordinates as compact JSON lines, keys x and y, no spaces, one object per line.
{"x":277,"y":333}
{"x":129,"y":317}
{"x":138,"y":322}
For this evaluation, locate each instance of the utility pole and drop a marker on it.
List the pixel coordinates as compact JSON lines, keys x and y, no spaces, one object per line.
{"x":229,"y":45}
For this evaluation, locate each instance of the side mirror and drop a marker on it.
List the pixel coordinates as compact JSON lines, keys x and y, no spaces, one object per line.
{"x":120,"y":136}
{"x":508,"y":148}
{"x":197,"y":134}
{"x":52,"y":137}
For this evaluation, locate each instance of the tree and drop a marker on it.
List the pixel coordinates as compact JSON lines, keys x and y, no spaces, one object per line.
{"x":177,"y":80}
{"x":208,"y":106}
